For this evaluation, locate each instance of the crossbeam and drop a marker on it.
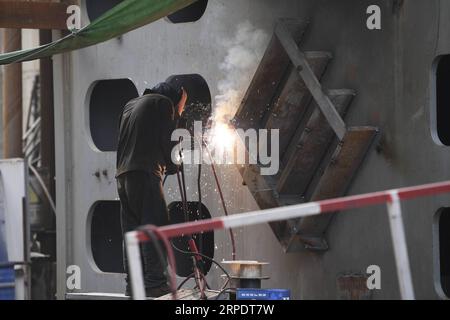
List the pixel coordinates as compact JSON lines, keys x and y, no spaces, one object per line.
{"x":302,"y":66}
{"x":33,"y":15}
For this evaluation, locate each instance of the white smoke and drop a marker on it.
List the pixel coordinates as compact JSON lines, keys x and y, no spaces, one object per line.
{"x":244,"y":53}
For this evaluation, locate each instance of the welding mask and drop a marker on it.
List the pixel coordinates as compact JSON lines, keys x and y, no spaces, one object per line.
{"x":167,"y":90}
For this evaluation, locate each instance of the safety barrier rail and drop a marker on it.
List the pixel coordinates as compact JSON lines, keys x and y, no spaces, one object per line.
{"x":391,"y":197}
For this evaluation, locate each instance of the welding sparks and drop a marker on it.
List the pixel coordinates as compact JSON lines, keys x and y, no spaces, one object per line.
{"x":222,"y":137}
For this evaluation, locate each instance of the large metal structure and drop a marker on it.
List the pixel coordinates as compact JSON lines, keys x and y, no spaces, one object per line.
{"x":394,"y":74}
{"x":12,"y":98}
{"x":14,"y":231}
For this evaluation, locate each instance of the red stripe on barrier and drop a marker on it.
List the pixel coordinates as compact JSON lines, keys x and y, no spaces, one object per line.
{"x":425,"y":190}
{"x":330,"y":205}
{"x":353,"y":202}
{"x":175,"y":230}
{"x":383,"y":197}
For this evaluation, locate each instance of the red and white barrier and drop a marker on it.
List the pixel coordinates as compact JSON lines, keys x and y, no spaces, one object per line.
{"x":391,"y":197}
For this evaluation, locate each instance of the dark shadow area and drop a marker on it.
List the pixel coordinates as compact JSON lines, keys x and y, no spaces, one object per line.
{"x":190,"y":13}
{"x":106,"y":237}
{"x":444,"y":249}
{"x":96,"y":8}
{"x":443,"y":99}
{"x":204,"y":241}
{"x":198,"y":105}
{"x":107,"y":100}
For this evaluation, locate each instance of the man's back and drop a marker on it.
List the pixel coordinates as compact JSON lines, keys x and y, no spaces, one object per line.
{"x":145,"y":128}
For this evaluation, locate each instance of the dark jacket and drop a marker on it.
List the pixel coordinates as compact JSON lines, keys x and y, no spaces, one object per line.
{"x":146,"y":126}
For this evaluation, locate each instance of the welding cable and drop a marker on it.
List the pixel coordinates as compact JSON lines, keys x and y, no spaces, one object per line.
{"x":208,"y":258}
{"x":165,"y":178}
{"x":185,"y":280}
{"x":192,"y":275}
{"x":199,"y":180}
{"x":182,"y":183}
{"x":170,"y":254}
{"x":203,"y":256}
{"x":182,"y":170}
{"x":222,"y":199}
{"x":199,"y":280}
{"x":180,"y":186}
{"x":206,"y":282}
{"x":202,"y":143}
{"x":183,"y":199}
{"x":183,"y":193}
{"x":224,"y":291}
{"x":183,"y":180}
{"x":200,"y":204}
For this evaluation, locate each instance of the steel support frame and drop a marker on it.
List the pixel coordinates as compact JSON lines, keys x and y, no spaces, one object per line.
{"x":302,"y":66}
{"x":400,"y":247}
{"x":33,"y":14}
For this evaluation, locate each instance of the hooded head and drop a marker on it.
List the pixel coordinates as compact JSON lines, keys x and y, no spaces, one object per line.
{"x":167,"y":90}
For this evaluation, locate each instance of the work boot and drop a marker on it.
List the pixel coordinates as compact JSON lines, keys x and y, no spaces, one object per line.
{"x":156,"y":292}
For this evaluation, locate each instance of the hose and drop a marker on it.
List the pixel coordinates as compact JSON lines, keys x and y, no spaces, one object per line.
{"x":205,"y":257}
{"x":222,"y":199}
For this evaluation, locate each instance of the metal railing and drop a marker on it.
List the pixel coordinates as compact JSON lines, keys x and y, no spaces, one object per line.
{"x":392,"y":198}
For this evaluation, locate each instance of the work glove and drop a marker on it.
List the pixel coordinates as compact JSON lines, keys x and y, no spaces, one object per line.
{"x":172,"y":169}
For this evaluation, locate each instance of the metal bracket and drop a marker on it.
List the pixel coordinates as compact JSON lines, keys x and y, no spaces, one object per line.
{"x":300,"y":63}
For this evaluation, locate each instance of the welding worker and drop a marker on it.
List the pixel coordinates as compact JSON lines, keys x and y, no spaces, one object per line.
{"x":143,"y":157}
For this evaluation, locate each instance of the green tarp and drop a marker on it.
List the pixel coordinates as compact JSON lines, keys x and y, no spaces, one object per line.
{"x":126,"y":16}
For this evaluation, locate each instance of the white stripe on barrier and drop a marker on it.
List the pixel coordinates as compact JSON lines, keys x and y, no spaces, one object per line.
{"x":271,"y":215}
{"x":134,"y":265}
{"x":400,"y":247}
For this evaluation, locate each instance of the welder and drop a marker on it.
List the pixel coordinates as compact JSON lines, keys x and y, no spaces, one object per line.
{"x":143,"y":158}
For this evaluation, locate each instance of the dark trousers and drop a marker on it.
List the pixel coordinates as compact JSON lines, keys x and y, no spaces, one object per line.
{"x":142,"y":202}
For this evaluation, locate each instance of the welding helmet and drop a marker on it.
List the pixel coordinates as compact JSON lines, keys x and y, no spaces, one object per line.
{"x":167,"y":90}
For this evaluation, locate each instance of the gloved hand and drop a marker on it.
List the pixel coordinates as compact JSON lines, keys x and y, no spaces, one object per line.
{"x":172,"y":169}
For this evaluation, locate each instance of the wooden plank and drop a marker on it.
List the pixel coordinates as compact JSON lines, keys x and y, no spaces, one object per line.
{"x":260,"y":186}
{"x":300,"y":63}
{"x":33,"y":15}
{"x":339,"y":175}
{"x":293,"y":101}
{"x":269,"y":75}
{"x":309,"y":146}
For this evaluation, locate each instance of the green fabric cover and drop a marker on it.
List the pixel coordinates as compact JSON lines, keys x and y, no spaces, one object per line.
{"x":126,"y":16}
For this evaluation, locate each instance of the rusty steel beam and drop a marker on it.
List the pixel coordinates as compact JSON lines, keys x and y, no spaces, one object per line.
{"x":12,"y":98}
{"x":274,"y":65}
{"x":33,"y":15}
{"x":47,"y":146}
